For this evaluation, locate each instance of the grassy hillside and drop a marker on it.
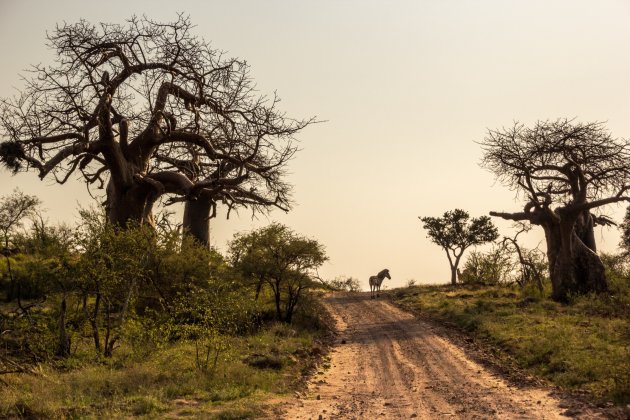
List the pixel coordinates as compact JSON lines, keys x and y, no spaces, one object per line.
{"x":584,"y":345}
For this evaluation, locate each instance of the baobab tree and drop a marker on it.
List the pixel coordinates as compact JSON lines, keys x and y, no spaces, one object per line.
{"x":455,"y":232}
{"x":259,"y":187}
{"x":565,"y":170}
{"x":258,"y":192}
{"x":118,"y":97}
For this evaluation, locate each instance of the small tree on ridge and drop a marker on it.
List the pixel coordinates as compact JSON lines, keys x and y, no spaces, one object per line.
{"x":455,"y":232}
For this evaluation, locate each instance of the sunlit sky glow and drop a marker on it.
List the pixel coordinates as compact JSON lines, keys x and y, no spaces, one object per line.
{"x":405,"y":88}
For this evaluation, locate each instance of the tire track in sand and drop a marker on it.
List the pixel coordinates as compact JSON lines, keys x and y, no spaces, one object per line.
{"x":393,"y":365}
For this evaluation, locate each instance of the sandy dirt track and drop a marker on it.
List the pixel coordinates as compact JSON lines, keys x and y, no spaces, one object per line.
{"x":387,"y":364}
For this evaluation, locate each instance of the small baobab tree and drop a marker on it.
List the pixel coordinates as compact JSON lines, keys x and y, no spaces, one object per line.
{"x":258,"y":186}
{"x":564,"y":170}
{"x":120,"y":101}
{"x":455,"y":232}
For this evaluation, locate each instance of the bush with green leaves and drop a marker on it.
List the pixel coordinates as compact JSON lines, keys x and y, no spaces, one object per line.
{"x":100,"y":287}
{"x":112,"y":264}
{"x":343,"y":283}
{"x":280,"y":259}
{"x":207,"y":316}
{"x":617,"y":302}
{"x":488,"y":268}
{"x":109,"y":285}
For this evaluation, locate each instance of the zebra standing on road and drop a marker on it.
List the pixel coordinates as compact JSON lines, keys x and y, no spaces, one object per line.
{"x":375,"y":282}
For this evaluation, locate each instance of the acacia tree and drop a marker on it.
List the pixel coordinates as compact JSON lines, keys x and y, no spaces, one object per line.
{"x":14,"y":209}
{"x":283,"y":260}
{"x":564,"y":170}
{"x":119,"y":96}
{"x":455,"y":232}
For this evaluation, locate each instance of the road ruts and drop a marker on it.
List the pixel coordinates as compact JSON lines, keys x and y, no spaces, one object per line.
{"x":393,"y":366}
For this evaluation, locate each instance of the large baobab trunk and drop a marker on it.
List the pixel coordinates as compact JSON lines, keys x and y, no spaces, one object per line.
{"x":130,"y":205}
{"x":573,"y":266}
{"x":197,"y":220}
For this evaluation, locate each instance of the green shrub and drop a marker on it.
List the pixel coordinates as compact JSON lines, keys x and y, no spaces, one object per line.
{"x":279,"y":260}
{"x":343,"y":283}
{"x":488,"y":268}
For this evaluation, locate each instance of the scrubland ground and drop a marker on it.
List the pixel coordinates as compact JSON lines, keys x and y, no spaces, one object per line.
{"x":389,"y":364}
{"x":582,"y":346}
{"x":167,"y":383}
{"x":464,"y":352}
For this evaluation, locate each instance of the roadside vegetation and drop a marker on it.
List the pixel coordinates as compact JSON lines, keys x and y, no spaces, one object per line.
{"x":252,"y":370}
{"x":101,"y":321}
{"x":582,"y":345}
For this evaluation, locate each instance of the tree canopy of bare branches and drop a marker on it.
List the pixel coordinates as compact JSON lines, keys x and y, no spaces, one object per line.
{"x":148,"y":109}
{"x":564,"y":170}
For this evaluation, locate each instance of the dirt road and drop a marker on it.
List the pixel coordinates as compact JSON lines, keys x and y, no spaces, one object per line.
{"x":388,"y":364}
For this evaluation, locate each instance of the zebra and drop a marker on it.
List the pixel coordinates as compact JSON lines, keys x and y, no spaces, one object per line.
{"x":375,"y":282}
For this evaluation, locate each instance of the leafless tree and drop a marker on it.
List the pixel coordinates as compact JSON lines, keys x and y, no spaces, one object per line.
{"x":121,"y":100}
{"x":564,"y":170}
{"x":259,"y":187}
{"x":530,"y":260}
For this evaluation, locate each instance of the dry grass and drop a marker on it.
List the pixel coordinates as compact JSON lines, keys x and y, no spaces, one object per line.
{"x":166,"y":383}
{"x":582,"y":346}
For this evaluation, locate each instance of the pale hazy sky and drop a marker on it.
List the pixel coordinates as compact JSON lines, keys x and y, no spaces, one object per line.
{"x":406,"y":88}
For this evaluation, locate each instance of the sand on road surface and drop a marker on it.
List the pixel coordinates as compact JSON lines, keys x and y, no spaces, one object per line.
{"x":389,"y":364}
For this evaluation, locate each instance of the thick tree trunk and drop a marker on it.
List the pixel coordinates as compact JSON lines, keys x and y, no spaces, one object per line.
{"x":130,"y":205}
{"x":453,"y":275}
{"x":585,"y":230}
{"x":197,"y":220}
{"x":574,"y":268}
